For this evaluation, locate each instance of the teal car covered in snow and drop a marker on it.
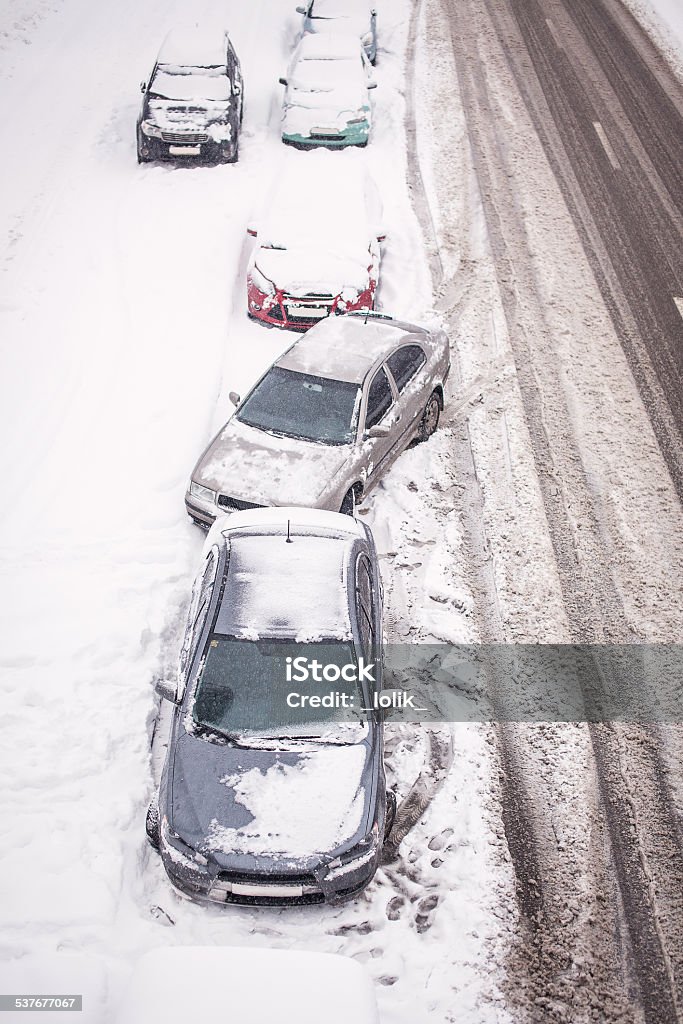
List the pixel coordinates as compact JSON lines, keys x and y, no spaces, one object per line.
{"x":327,"y":101}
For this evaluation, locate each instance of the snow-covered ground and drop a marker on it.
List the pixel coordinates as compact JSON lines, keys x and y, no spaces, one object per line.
{"x":663,"y":19}
{"x":123,"y":318}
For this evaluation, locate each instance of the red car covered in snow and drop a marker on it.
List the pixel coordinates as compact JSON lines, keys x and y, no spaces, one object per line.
{"x":318,"y":243}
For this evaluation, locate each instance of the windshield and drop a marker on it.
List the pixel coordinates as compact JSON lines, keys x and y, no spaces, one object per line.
{"x":184,"y":82}
{"x":244,"y":691}
{"x":299,"y":405}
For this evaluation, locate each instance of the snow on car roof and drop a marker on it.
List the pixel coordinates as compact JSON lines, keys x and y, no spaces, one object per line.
{"x":194,"y":47}
{"x":343,"y":211}
{"x":276,"y":588}
{"x":346,"y":348}
{"x":183,"y":983}
{"x":329,"y":46}
{"x":340,"y":8}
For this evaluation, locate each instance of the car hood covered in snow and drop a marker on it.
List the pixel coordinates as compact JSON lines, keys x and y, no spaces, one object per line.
{"x":300,"y":804}
{"x":321,"y":270}
{"x":266,"y":469}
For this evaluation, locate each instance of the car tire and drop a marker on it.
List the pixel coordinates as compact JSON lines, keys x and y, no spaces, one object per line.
{"x":430,"y":417}
{"x":390,"y":817}
{"x":348,"y":505}
{"x":152,"y":824}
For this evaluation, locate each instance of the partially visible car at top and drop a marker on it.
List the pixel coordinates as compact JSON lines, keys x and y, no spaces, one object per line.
{"x":265,"y":797}
{"x":326,"y":100}
{"x":355,"y":16}
{"x":194,"y":100}
{"x":327,"y":419}
{"x":318,"y":245}
{"x":189,"y":983}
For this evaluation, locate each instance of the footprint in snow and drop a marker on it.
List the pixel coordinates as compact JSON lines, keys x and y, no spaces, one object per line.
{"x":395,"y":907}
{"x":425,"y":912}
{"x":439,"y":841}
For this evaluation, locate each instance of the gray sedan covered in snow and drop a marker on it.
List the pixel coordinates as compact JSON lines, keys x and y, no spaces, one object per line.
{"x":326,"y":419}
{"x":273,"y":789}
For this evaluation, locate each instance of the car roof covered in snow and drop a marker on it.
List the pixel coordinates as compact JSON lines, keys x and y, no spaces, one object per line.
{"x":342,"y":212}
{"x":295,"y":588}
{"x":340,"y":8}
{"x":347,"y":347}
{"x":218,"y":984}
{"x":336,"y":45}
{"x":194,"y":47}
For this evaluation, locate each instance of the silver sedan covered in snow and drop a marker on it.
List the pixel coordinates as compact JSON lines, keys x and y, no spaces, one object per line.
{"x":326,"y":420}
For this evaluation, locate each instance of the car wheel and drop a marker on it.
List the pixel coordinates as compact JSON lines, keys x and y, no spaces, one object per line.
{"x":430,"y":417}
{"x":152,"y":824}
{"x":142,"y":159}
{"x":390,"y":814}
{"x":348,"y":505}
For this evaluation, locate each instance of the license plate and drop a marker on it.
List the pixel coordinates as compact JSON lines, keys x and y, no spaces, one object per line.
{"x":307,"y":312}
{"x":184,"y":150}
{"x":272,"y":891}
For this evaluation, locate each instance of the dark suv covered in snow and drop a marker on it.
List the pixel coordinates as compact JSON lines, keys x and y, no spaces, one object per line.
{"x":193,"y":102}
{"x":273,"y":789}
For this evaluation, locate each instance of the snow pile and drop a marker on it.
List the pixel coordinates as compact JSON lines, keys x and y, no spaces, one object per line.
{"x":299,"y":810}
{"x":663,"y":20}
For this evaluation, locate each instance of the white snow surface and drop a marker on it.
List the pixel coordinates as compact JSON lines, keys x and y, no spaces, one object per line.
{"x":299,"y":810}
{"x":123,"y":318}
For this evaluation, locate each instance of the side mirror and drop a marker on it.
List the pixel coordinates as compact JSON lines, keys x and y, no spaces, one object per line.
{"x":282,"y":81}
{"x":167,"y":690}
{"x":372,"y":85}
{"x":378,"y":431}
{"x":381,"y":238}
{"x":143,"y":86}
{"x":301,"y":10}
{"x":234,"y":398}
{"x":252,"y":230}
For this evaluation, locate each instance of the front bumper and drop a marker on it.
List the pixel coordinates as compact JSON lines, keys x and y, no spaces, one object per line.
{"x":282,"y":310}
{"x":205,"y":513}
{"x":352,"y":135}
{"x":270,"y":890}
{"x":196,"y":147}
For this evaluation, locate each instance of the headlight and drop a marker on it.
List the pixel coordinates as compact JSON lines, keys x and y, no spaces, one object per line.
{"x":179,"y":851}
{"x":151,"y":129}
{"x":360,"y":117}
{"x":261,"y":282}
{"x":205,"y":493}
{"x":362,"y":853}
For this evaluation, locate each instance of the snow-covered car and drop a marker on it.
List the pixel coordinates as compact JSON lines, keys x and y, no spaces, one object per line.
{"x":194,"y":100}
{"x":355,"y":16}
{"x":318,"y":245}
{"x":267,"y":796}
{"x":225,"y":984}
{"x":326,"y":420}
{"x":326,"y":101}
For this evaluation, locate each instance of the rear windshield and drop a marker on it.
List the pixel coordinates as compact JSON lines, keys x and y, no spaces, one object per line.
{"x":300,"y":405}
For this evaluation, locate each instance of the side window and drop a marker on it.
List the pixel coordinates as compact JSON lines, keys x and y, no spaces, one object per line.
{"x":364,"y":606}
{"x":405,"y":363}
{"x":201,"y":596}
{"x":379,"y":399}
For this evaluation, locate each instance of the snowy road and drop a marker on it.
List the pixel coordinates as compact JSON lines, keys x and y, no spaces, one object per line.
{"x":541,"y":351}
